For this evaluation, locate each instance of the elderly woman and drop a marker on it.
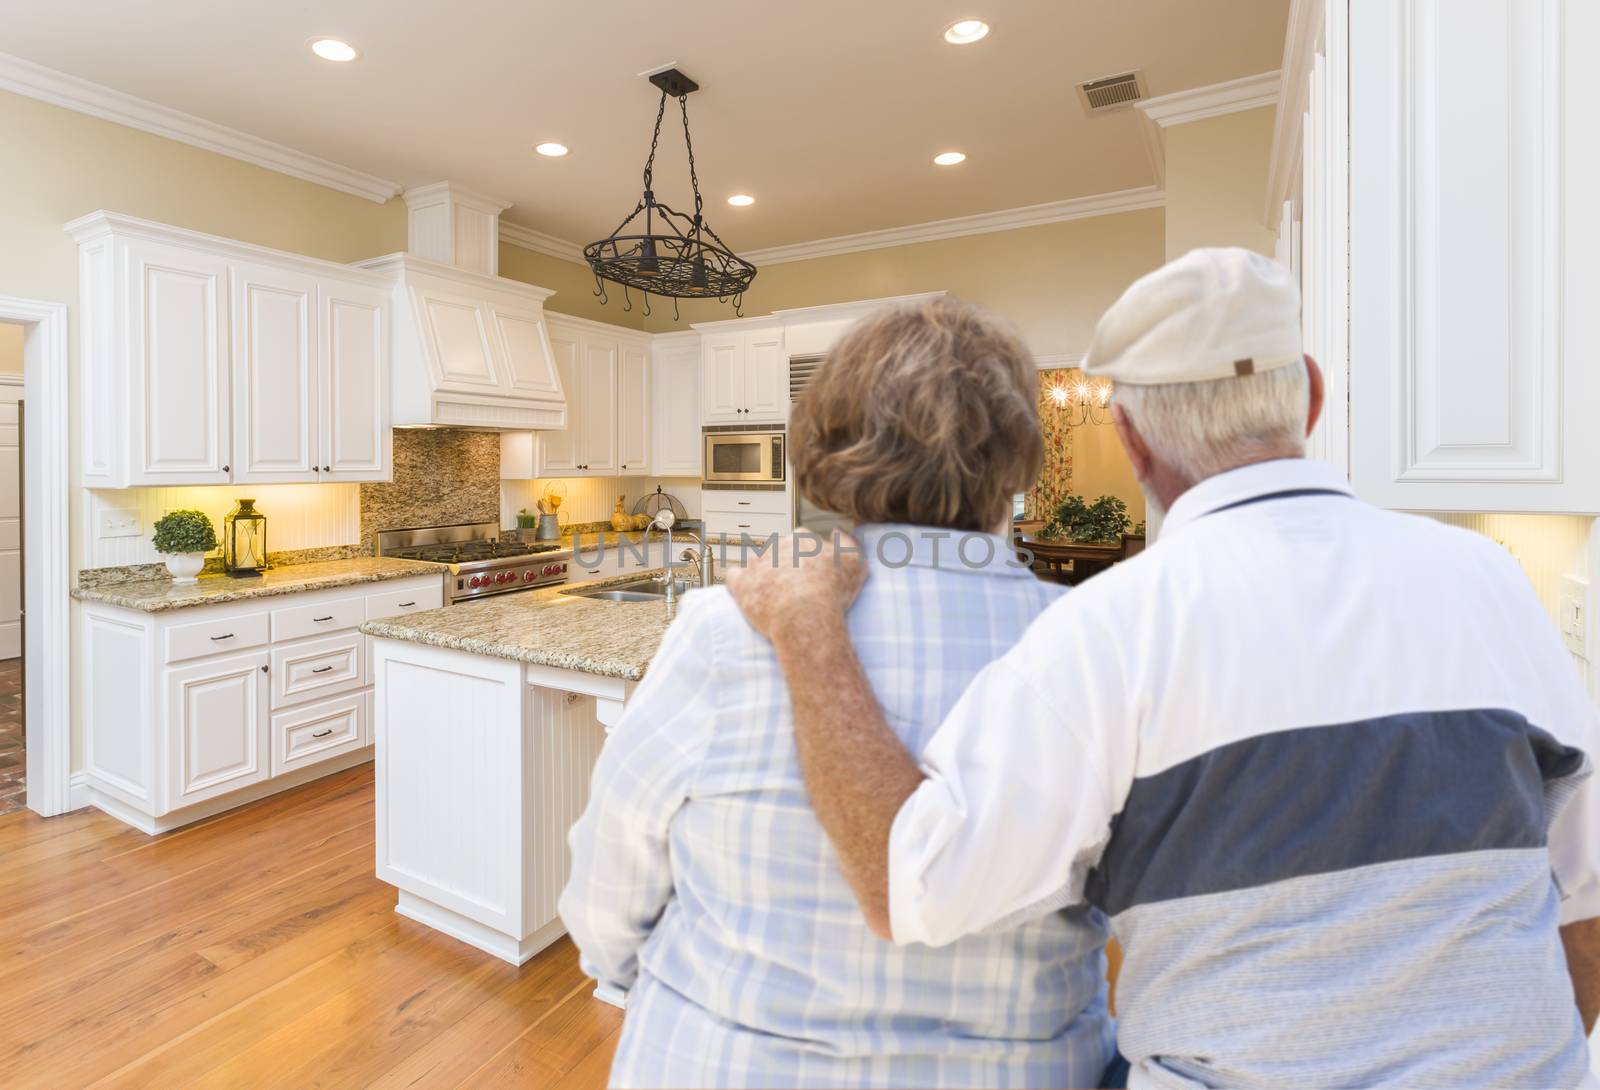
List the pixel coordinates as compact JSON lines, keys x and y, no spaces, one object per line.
{"x":701,"y":882}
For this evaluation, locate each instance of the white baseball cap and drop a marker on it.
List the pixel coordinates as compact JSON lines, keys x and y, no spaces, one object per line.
{"x":1213,"y":313}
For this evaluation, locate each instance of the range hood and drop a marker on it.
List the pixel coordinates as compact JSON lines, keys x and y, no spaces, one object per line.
{"x":470,"y":349}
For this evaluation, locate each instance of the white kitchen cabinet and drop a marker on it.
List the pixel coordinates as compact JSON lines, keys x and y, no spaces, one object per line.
{"x":597,"y":407}
{"x":275,"y":375}
{"x":557,"y":451}
{"x":208,"y":361}
{"x":675,"y":435}
{"x":217,"y":721}
{"x":1474,"y":140}
{"x":745,"y":377}
{"x":189,"y":712}
{"x":633,"y":411}
{"x":169,"y":398}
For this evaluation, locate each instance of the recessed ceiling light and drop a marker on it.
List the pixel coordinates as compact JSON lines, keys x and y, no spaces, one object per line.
{"x":950,"y":158}
{"x":966,"y":31}
{"x":740,"y":200}
{"x":552,"y":149}
{"x":332,"y":49}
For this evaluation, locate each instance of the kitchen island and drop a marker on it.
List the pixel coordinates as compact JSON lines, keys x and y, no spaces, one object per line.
{"x":489,"y":718}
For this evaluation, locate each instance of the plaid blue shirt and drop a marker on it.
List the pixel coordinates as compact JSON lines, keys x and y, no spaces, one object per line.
{"x":702,"y":884}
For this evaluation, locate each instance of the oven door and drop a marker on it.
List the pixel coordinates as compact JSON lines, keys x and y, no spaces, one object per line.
{"x":734,"y":457}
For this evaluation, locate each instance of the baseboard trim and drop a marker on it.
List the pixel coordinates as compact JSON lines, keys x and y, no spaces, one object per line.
{"x":473,"y":933}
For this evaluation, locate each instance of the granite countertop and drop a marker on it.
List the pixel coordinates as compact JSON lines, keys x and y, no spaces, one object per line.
{"x":546,"y":628}
{"x":160,"y":595}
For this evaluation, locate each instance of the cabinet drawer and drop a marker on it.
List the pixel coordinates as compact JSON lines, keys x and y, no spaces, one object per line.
{"x":395,"y":602}
{"x":316,"y":732}
{"x":318,"y":668}
{"x":294,"y":622}
{"x":744,"y":503}
{"x":190,"y":641}
{"x":759,"y":525}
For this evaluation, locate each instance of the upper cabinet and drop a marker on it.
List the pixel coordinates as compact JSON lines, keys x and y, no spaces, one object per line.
{"x":1474,"y":140}
{"x":633,"y":411}
{"x":470,"y":349}
{"x":744,"y":377}
{"x":675,"y":436}
{"x":207,"y":361}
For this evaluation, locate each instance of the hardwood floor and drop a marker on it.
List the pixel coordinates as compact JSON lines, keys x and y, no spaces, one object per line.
{"x":257,"y":949}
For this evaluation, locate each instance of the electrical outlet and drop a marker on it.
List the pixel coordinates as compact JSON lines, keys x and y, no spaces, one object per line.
{"x":119,"y":522}
{"x":1574,"y":615}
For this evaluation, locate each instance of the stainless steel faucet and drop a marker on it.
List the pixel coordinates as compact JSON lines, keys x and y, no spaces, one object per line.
{"x":664,"y":521}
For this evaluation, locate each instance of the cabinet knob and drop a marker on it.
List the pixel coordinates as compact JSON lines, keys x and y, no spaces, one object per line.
{"x":327,"y":469}
{"x":263,"y":669}
{"x":227,"y":469}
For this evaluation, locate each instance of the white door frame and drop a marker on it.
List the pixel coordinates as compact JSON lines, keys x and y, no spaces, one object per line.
{"x":46,"y":552}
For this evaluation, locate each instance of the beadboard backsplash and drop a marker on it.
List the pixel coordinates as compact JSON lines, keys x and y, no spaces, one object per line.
{"x":591,"y":499}
{"x":299,"y":516}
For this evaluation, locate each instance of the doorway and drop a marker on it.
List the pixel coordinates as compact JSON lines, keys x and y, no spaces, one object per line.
{"x":13,"y":729}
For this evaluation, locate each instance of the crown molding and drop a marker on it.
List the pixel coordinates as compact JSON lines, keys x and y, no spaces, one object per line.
{"x":1059,"y":361}
{"x":426,"y":196}
{"x":1010,"y":219}
{"x":11,"y":380}
{"x":539,"y":242}
{"x":1299,"y":56}
{"x":59,"y":89}
{"x":1213,"y":100}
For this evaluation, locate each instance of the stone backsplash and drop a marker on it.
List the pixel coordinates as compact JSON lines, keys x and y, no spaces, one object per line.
{"x":442,"y":476}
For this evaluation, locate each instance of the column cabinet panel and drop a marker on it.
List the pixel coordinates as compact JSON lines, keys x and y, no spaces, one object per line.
{"x":1472,"y":128}
{"x":558,"y":450}
{"x":354,"y":391}
{"x":597,"y":440}
{"x":275,"y":375}
{"x":216,"y":720}
{"x":633,"y":411}
{"x":177,"y":346}
{"x":766,"y":377}
{"x":722,"y":379}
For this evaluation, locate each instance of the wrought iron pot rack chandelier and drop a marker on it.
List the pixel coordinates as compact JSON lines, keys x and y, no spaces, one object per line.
{"x":677,"y":256}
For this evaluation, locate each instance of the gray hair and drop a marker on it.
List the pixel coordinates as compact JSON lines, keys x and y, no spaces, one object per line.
{"x":1200,"y":429}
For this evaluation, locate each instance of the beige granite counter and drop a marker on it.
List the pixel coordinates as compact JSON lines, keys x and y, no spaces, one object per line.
{"x":545,"y":627}
{"x":159,"y":595}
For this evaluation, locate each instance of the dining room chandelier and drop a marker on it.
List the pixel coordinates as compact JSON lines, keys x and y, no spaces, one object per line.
{"x":669,"y":253}
{"x":1078,"y":402}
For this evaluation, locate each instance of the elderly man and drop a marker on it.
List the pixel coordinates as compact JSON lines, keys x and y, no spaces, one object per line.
{"x":1327,"y":768}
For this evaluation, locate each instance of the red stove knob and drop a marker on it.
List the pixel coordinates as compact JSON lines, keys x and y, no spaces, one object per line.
{"x":504,"y":576}
{"x":529,"y":576}
{"x":475,"y":581}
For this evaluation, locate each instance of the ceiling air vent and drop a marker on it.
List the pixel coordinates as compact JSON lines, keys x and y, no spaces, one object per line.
{"x":1111,"y":92}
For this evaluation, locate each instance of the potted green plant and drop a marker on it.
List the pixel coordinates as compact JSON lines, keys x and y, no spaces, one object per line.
{"x":525,"y":521}
{"x":183,"y":538}
{"x":1102,"y":522}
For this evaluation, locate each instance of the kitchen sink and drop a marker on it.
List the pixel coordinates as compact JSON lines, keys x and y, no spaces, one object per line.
{"x":639,"y":590}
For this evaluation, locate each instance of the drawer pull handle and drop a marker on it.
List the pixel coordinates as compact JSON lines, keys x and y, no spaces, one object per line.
{"x":744,"y":526}
{"x":323,"y":733}
{"x":319,"y":620}
{"x":321,"y":669}
{"x":744,"y":503}
{"x":403,"y":605}
{"x":224,"y":636}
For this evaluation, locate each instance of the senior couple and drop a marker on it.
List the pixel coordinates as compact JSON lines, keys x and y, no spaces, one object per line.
{"x":1325,"y":771}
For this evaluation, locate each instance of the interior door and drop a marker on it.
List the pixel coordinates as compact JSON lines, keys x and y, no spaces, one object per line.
{"x":10,"y":521}
{"x":558,"y":450}
{"x":633,"y":411}
{"x":178,"y":395}
{"x":722,"y":378}
{"x":275,"y":375}
{"x":598,"y":438}
{"x":356,"y":440}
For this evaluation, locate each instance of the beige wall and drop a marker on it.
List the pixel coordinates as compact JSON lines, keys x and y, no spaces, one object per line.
{"x":573,"y":285}
{"x":10,"y":349}
{"x":1217,"y":182}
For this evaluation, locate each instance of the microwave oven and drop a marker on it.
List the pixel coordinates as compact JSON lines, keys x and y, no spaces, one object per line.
{"x":744,"y":457}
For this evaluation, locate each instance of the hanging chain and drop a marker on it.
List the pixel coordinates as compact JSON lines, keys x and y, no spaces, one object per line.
{"x":649,"y":164}
{"x":688,"y":144}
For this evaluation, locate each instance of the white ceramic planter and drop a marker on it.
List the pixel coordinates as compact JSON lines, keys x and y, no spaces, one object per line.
{"x":185,"y":567}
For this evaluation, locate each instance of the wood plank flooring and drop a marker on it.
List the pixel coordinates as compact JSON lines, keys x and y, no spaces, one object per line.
{"x":258,"y":950}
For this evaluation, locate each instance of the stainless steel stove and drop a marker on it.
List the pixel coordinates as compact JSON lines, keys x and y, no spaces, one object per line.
{"x":478,"y":564}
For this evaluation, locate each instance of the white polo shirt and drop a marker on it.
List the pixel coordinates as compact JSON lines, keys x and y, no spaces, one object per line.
{"x":1328,"y":770}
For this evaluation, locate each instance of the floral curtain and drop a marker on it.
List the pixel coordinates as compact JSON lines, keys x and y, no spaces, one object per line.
{"x":1055,"y":479}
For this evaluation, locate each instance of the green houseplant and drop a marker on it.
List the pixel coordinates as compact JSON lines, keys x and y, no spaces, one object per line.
{"x":525,"y":521}
{"x":183,"y":538}
{"x":1102,"y":522}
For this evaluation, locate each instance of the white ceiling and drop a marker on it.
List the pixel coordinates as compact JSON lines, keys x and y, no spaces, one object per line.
{"x":828,"y":111}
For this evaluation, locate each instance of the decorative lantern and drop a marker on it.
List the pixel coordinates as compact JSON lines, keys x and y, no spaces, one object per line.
{"x":244,"y":540}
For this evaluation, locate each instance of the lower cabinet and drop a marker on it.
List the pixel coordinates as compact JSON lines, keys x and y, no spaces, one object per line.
{"x":194,"y":711}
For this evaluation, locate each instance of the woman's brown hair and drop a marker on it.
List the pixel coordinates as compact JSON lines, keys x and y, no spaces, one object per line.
{"x":925,"y":414}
